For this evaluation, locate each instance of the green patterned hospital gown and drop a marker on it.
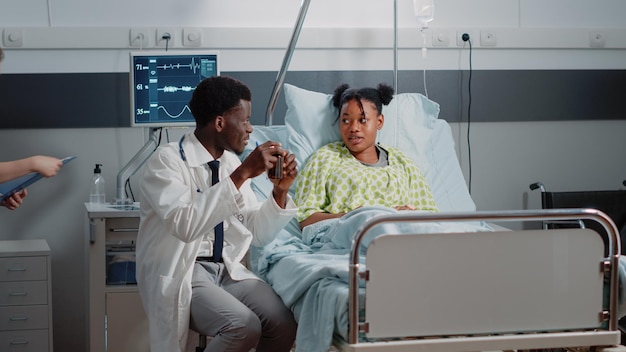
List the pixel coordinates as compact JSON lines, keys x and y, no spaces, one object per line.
{"x":334,"y":181}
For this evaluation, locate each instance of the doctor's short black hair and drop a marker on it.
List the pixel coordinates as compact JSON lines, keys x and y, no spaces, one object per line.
{"x":214,"y":96}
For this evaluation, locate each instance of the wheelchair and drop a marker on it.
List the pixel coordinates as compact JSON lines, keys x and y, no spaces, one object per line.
{"x":612,"y":202}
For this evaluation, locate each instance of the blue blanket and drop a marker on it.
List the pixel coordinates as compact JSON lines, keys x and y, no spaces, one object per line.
{"x":310,"y":272}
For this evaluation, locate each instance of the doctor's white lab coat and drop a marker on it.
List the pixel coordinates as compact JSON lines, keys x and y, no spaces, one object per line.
{"x":179,"y":207}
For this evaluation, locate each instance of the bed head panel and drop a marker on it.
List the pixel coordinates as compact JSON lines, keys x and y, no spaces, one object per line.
{"x":484,"y":282}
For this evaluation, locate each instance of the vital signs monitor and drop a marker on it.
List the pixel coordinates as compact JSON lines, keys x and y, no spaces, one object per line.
{"x":161,"y":84}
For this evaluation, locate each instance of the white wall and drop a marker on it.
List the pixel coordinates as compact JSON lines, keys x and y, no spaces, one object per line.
{"x":82,"y":36}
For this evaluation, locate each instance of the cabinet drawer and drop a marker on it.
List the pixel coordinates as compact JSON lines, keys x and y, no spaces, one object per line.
{"x":122,"y":225}
{"x":23,"y":293}
{"x":23,"y":268}
{"x":24,"y":341}
{"x":23,"y":317}
{"x":121,"y":230}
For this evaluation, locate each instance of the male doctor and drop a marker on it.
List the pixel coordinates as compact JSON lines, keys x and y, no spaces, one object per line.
{"x":185,"y":278}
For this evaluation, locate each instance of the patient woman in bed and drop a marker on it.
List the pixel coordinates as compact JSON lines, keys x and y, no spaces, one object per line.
{"x":343,"y":176}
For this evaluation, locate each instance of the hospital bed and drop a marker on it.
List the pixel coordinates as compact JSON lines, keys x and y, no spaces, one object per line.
{"x":453,"y":281}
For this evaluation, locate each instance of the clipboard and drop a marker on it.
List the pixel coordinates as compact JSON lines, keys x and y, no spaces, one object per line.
{"x":17,"y":184}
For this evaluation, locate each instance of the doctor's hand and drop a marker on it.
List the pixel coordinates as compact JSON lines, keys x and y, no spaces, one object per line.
{"x":289,"y":173}
{"x":280,"y":193}
{"x":14,"y":201}
{"x":261,"y":159}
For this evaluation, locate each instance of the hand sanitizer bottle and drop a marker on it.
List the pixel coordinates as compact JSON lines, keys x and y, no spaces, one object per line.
{"x":96,"y":190}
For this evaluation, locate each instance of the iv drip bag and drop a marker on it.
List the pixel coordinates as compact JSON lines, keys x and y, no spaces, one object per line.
{"x":424,"y":11}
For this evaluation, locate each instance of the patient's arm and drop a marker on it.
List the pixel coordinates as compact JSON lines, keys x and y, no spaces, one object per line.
{"x":316,"y":217}
{"x":405,"y":207}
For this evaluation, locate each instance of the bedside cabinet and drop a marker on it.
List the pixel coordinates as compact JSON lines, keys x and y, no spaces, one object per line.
{"x":25,"y":296}
{"x":117,"y":321}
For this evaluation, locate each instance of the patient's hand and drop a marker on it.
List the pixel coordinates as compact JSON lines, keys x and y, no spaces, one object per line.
{"x":405,"y":207}
{"x":316,"y":217}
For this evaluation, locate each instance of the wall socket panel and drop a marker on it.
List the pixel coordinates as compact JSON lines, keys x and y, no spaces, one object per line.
{"x":488,"y":38}
{"x":161,"y":32}
{"x":12,"y":38}
{"x":140,"y":37}
{"x":459,"y":40}
{"x":597,"y":39}
{"x":192,"y":37}
{"x":440,"y":38}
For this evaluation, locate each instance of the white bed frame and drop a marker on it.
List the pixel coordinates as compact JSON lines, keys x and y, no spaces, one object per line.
{"x":502,"y":290}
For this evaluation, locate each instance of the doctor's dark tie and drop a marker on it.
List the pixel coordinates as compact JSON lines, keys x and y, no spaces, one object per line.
{"x":218,"y":243}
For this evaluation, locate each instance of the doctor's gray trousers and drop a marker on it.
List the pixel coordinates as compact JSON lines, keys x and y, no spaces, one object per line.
{"x":238,"y":315}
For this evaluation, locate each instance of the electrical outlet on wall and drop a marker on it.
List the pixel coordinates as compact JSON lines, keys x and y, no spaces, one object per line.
{"x":165,"y":37}
{"x":140,"y":37}
{"x":488,"y":38}
{"x":192,"y":37}
{"x":597,"y":39}
{"x":440,"y":38}
{"x":12,"y":38}
{"x":459,"y":38}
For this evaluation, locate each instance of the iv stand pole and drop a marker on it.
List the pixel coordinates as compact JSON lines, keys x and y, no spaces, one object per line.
{"x":395,"y":46}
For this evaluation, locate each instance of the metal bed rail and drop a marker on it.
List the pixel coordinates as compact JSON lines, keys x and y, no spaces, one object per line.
{"x":280,"y":78}
{"x":497,"y":216}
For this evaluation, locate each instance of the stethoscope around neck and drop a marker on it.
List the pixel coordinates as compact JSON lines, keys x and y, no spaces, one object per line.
{"x":180,"y":148}
{"x":184,"y":157}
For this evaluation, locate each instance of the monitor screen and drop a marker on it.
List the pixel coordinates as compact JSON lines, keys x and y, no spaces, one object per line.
{"x":161,"y":84}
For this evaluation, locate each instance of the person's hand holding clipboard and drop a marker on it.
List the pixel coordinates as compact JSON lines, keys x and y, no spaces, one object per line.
{"x":18,"y":185}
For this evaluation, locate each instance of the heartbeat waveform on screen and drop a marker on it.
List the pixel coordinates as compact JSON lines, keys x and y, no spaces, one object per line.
{"x":172,"y":89}
{"x":192,"y":66}
{"x":173,"y":116}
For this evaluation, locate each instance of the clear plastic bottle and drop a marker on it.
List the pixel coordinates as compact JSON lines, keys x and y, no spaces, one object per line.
{"x":96,"y":190}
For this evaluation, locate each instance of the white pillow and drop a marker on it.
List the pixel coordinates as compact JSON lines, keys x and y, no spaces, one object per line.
{"x":409,"y":121}
{"x":442,"y":170}
{"x":310,"y":122}
{"x":411,"y":125}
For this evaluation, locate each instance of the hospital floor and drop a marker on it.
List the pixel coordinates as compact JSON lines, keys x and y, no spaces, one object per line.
{"x":192,"y":343}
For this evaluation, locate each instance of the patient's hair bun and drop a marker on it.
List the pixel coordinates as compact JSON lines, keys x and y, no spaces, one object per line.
{"x":381,"y":95}
{"x":338,"y":94}
{"x":386,"y":93}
